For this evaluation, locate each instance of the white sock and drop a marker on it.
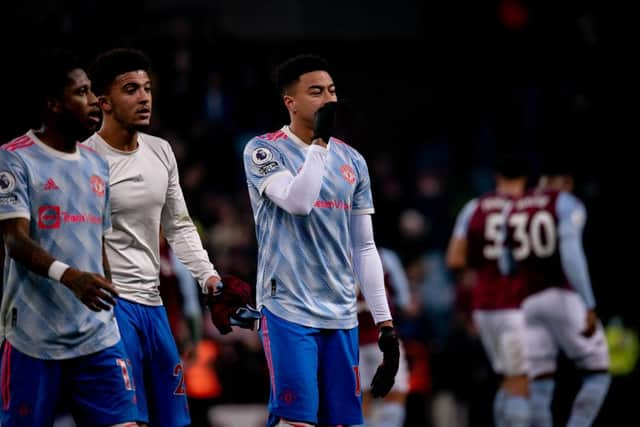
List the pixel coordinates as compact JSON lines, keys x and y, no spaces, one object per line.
{"x":589,"y":399}
{"x":541,"y":395}
{"x":390,"y":414}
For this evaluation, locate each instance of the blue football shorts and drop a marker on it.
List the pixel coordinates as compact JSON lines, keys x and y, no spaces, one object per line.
{"x":97,"y":387}
{"x":313,"y":372}
{"x":157,"y":368}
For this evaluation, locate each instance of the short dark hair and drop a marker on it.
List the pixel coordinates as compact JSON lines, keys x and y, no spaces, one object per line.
{"x":110,"y":64}
{"x":58,"y":63}
{"x":512,"y":164}
{"x":289,"y":71}
{"x":557,"y":163}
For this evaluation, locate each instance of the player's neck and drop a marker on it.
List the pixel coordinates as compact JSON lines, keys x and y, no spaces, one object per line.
{"x":56,"y":139}
{"x":118,"y":137}
{"x":511,"y":188}
{"x":304,"y":133}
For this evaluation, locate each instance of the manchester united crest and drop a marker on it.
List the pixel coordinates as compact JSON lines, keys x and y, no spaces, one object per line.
{"x":348,"y":174}
{"x":97,"y":185}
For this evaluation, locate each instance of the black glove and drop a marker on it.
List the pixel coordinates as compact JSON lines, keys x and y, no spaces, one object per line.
{"x":325,"y":121}
{"x":386,"y":373}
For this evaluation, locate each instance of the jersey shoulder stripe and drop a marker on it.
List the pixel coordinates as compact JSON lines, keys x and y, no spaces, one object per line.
{"x":86,"y":147}
{"x":273,"y":136}
{"x":18,"y":143}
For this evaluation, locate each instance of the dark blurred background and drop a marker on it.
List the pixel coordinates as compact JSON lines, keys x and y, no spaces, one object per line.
{"x":433,"y":90}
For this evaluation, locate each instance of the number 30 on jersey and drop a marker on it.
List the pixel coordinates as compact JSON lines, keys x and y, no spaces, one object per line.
{"x":532,"y":234}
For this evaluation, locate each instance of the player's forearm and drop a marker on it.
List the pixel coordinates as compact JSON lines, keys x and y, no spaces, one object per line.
{"x":368,"y":268}
{"x":24,"y":250}
{"x":297,"y":195}
{"x":456,"y":257}
{"x":185,"y":242}
{"x":574,"y":264}
{"x":105,"y":262}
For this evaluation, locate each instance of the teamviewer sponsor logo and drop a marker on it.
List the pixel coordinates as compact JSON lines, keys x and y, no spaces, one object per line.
{"x":332,"y":204}
{"x":49,"y":217}
{"x":76,"y":218}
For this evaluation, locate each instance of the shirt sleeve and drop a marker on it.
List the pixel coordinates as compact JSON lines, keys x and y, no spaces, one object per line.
{"x":572,"y":217}
{"x":362,"y":197}
{"x":464,"y":218}
{"x":393,"y":266}
{"x":262,"y":162}
{"x":14,"y":187}
{"x":368,"y":267}
{"x":180,"y":231}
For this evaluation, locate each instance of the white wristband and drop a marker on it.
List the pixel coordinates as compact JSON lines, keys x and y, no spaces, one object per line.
{"x":57,"y":269}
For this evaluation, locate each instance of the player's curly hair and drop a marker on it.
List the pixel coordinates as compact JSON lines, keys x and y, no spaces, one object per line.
{"x":44,"y":86}
{"x":289,"y":71}
{"x":59,"y":63}
{"x":112,"y":63}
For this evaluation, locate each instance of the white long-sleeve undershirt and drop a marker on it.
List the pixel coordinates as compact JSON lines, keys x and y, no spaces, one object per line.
{"x":297,"y":194}
{"x":367,"y":266}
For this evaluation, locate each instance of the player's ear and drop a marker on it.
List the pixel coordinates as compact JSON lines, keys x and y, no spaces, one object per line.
{"x":53,"y":104}
{"x":104,"y":103}
{"x":569,"y":183}
{"x":290,"y":103}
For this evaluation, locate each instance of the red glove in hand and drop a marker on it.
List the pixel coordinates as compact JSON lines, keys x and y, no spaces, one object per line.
{"x":226,"y":302}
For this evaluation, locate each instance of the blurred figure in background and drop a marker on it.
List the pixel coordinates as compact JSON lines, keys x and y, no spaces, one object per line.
{"x":476,"y":244}
{"x":179,"y":293}
{"x":545,"y":245}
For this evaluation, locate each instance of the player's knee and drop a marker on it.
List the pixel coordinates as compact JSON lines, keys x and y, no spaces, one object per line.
{"x":516,"y":411}
{"x":391,"y":414}
{"x":287,"y":423}
{"x":600,"y":380}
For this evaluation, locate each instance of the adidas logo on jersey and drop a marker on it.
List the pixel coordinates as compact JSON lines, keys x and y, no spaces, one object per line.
{"x":51,"y":185}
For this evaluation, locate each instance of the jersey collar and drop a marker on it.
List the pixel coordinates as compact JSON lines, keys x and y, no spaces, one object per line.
{"x":300,"y":143}
{"x":51,"y":151}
